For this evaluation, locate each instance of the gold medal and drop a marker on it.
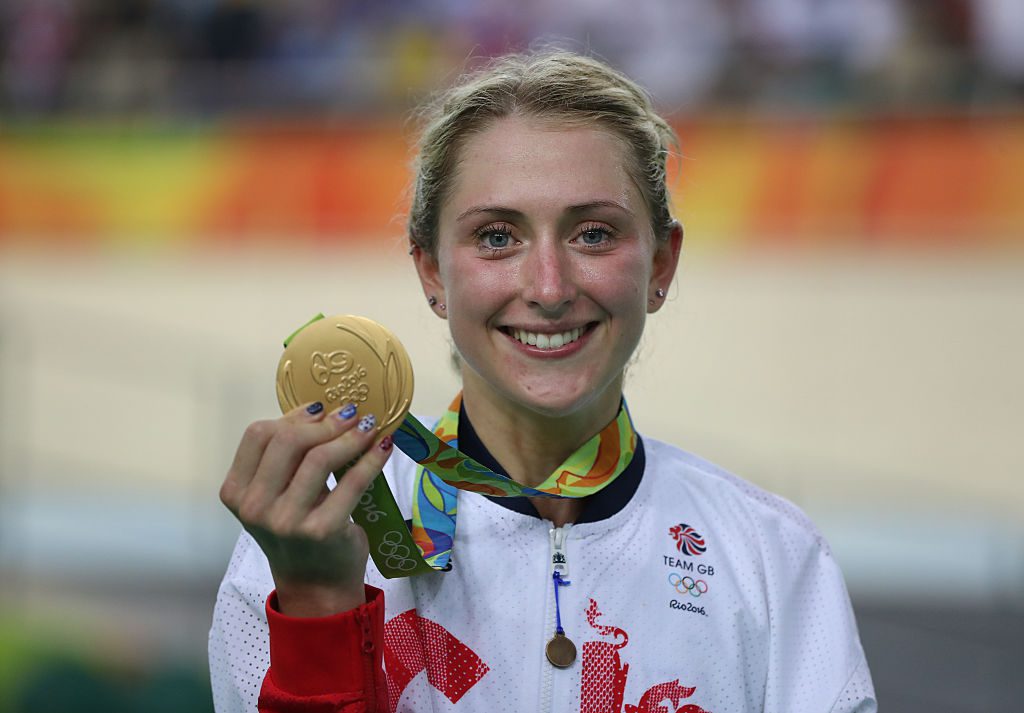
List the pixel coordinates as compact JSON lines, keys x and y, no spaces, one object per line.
{"x":347,"y":359}
{"x":561,"y":652}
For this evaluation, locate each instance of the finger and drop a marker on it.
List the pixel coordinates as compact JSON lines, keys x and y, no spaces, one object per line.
{"x":292,"y":439}
{"x":258,"y":434}
{"x":250,"y":450}
{"x":338,"y":506}
{"x":312,"y":411}
{"x":334,"y":456}
{"x":252,"y":447}
{"x":324,"y":492}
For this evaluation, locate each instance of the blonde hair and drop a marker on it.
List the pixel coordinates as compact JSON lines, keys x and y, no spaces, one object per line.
{"x":556,"y":85}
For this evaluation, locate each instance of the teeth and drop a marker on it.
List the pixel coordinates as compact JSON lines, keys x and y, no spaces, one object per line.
{"x":547,"y":341}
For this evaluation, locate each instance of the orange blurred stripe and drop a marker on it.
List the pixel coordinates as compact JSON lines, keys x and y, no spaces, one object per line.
{"x":796,"y":183}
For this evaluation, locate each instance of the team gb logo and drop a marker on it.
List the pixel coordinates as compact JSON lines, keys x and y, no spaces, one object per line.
{"x":688,"y":541}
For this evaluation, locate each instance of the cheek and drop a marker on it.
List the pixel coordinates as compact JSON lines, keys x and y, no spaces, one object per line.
{"x":624,"y":283}
{"x":485,"y":280}
{"x":472,"y":285}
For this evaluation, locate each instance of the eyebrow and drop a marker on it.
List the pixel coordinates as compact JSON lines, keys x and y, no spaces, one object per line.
{"x":513,"y":213}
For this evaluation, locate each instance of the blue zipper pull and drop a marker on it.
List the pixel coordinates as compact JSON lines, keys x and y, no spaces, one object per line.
{"x":561,"y":652}
{"x":559,"y":582}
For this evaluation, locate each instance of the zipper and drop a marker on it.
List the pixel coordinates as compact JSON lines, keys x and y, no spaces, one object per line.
{"x":559,"y":568}
{"x":559,"y":561}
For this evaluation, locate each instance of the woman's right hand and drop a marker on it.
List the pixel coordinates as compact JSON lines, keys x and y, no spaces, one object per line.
{"x":276,"y":487}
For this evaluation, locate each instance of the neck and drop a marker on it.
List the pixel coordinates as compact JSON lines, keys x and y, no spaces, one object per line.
{"x":530,"y":445}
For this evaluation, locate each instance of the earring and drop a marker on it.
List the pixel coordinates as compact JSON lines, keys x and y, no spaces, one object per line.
{"x":442,"y":307}
{"x":660,"y":293}
{"x":431,"y":300}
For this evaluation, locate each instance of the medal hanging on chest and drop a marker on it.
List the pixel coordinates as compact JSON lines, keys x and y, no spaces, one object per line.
{"x":560,"y":650}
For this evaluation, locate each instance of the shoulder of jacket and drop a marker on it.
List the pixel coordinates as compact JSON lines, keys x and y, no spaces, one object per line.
{"x":667,"y":462}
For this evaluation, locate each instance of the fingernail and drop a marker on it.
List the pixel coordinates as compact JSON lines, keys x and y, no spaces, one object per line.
{"x":367,"y":423}
{"x":385,"y":445}
{"x":314,"y":408}
{"x":347,"y":412}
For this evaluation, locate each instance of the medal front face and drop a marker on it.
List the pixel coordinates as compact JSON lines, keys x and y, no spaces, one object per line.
{"x":347,"y":359}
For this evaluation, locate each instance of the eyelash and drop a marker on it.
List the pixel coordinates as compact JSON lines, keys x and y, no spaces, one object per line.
{"x":483,"y":233}
{"x":608,"y":233}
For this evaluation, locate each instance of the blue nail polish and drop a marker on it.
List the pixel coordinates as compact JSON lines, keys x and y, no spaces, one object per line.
{"x":347,"y":412}
{"x":367,"y":423}
{"x":314,"y":408}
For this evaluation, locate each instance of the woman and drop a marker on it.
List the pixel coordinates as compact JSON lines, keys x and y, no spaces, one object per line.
{"x":541,"y":232}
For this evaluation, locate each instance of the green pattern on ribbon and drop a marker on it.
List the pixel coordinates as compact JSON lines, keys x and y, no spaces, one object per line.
{"x":398,"y":551}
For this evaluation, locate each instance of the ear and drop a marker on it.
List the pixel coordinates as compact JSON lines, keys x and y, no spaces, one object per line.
{"x":430,"y":279}
{"x":666,"y":260}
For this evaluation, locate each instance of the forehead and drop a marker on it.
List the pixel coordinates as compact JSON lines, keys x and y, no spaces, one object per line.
{"x":529,"y":163}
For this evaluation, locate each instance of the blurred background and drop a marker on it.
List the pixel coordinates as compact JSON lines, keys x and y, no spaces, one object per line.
{"x":184,"y":182}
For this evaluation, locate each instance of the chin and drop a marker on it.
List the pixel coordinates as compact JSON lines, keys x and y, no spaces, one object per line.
{"x":554,"y":407}
{"x":560,"y":400}
{"x":543,"y":389}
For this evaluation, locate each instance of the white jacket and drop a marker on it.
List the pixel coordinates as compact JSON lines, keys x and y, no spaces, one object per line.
{"x":759,"y":621}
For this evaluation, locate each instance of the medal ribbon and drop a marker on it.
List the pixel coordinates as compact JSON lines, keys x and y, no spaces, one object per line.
{"x":426,"y":544}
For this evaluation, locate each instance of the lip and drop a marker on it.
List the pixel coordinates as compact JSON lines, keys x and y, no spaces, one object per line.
{"x":556,"y":353}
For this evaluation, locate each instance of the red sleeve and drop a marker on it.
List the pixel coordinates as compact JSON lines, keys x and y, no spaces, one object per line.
{"x":329,"y":664}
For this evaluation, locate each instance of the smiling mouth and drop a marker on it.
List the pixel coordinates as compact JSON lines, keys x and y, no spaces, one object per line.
{"x":548,"y":340}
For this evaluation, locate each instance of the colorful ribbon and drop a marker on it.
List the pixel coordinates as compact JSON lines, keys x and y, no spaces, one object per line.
{"x":426,"y":545}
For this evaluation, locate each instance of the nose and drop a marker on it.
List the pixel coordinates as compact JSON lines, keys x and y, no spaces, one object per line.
{"x":548,"y":276}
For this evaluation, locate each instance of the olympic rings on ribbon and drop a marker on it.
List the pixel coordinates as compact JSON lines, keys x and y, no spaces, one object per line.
{"x":397,"y":554}
{"x":688,"y":585}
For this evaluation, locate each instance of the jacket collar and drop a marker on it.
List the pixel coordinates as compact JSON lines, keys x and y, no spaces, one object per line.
{"x":601,"y":505}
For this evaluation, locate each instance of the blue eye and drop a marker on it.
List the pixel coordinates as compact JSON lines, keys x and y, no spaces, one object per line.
{"x":497,"y":239}
{"x":593,"y":236}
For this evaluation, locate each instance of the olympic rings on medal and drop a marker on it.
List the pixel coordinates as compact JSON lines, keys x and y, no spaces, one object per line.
{"x":688,"y":585}
{"x":396,"y":553}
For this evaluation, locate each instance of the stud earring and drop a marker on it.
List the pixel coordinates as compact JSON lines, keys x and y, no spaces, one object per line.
{"x":442,"y":307}
{"x":431,"y":300}
{"x":660,"y":293}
